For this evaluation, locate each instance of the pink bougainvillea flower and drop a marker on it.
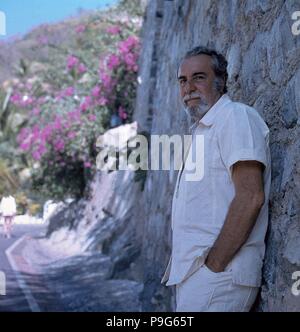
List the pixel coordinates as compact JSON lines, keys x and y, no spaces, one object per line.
{"x":87,"y":164}
{"x":24,"y":133}
{"x":16,"y":98}
{"x":42,"y":149}
{"x":74,"y":115}
{"x":68,"y":91}
{"x":72,"y":61}
{"x":26,"y":101}
{"x":28,"y":86}
{"x":46,"y":132}
{"x":123,"y":47}
{"x":42,"y":40}
{"x":81,"y":68}
{"x":133,"y":41}
{"x":96,"y":91}
{"x":72,"y":134}
{"x":67,"y":125}
{"x":84,"y":107}
{"x":59,"y":145}
{"x":102,"y":101}
{"x":25,"y":146}
{"x":87,"y":103}
{"x":102,"y":63}
{"x":36,"y":155}
{"x":122,"y":113}
{"x":106,"y":80}
{"x":92,"y":117}
{"x":36,"y":129}
{"x":80,"y":28}
{"x":126,"y":45}
{"x":41,"y":100}
{"x":113,"y":30}
{"x":36,"y":111}
{"x":57,"y":123}
{"x":113,"y":61}
{"x":129,"y":60}
{"x":58,"y":97}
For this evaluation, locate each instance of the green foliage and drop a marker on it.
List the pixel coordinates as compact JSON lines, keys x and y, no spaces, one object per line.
{"x":8,"y":181}
{"x":133,"y":7}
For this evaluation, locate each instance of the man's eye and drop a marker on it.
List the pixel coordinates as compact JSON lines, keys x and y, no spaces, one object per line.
{"x":200,"y":77}
{"x":182,"y":82}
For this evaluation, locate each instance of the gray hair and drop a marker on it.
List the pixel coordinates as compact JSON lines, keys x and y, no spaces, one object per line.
{"x":219,"y":65}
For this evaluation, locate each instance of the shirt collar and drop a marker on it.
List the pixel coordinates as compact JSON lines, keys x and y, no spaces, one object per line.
{"x":209,"y":117}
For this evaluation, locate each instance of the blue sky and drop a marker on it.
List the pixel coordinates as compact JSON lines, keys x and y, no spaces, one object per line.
{"x":23,"y":15}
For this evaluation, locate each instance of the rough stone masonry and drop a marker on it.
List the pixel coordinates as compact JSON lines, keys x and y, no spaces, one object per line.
{"x":264,"y":72}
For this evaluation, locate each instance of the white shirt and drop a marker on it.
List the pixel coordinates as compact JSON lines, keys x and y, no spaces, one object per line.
{"x":232,"y":132}
{"x":8,"y":206}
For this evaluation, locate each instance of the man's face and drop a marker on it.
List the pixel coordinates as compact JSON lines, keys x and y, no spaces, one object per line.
{"x":197,"y":82}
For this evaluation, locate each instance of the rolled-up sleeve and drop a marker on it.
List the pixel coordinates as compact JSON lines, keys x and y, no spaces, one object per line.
{"x":243,"y":136}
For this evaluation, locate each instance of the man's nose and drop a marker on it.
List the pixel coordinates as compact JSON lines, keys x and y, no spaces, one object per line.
{"x":189,"y":87}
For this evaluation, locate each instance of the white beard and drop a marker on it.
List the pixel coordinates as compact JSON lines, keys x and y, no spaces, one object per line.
{"x":196,"y":113}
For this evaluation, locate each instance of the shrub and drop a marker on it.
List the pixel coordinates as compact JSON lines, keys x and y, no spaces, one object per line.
{"x":79,"y":94}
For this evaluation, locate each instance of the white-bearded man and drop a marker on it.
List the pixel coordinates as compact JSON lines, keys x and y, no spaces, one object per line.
{"x":219,"y":222}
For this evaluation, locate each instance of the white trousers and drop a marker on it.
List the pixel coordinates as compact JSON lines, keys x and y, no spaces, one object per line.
{"x":206,"y":290}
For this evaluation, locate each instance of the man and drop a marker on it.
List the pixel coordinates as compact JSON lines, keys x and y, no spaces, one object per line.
{"x":219,"y":222}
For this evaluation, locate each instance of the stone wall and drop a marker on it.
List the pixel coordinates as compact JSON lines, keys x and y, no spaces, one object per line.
{"x":264,"y":72}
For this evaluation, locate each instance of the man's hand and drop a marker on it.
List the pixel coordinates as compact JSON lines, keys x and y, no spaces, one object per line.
{"x":212,"y":268}
{"x":242,"y":214}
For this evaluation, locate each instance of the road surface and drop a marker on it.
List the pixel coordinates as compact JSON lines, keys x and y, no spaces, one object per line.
{"x":15,"y":300}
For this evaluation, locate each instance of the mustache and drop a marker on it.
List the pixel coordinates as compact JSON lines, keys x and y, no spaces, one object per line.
{"x":192,"y":96}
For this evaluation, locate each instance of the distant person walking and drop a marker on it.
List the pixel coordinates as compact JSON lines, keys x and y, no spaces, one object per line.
{"x":8,"y":209}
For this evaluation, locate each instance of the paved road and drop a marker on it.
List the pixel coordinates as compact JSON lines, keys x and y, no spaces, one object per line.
{"x":14,"y":300}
